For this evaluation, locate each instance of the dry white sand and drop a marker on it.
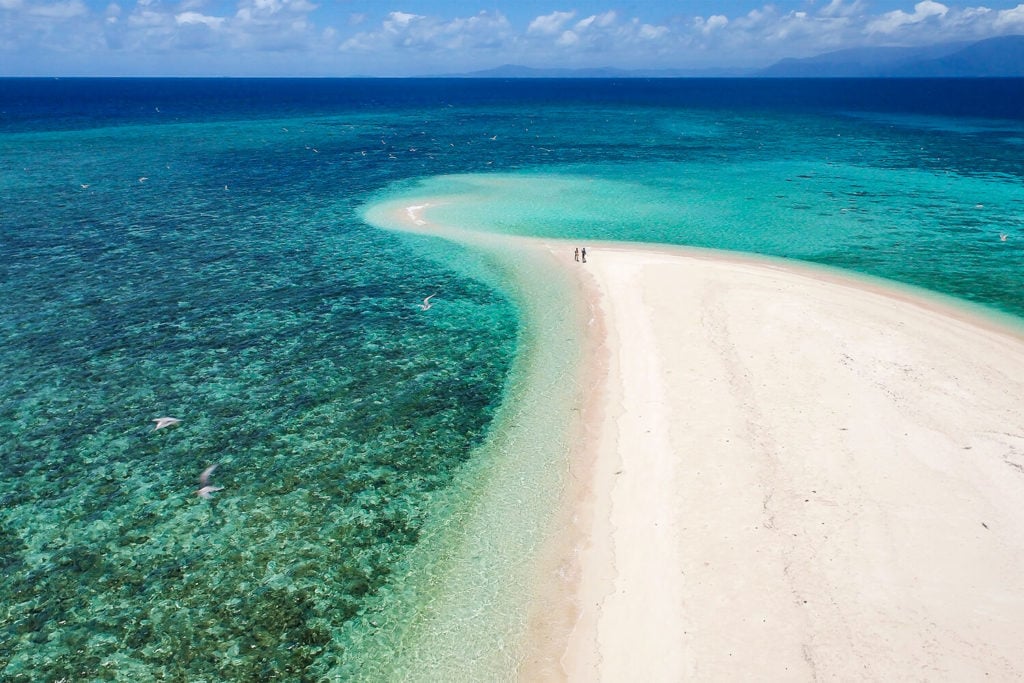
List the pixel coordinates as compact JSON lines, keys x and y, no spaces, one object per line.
{"x":791,"y":477}
{"x":784,"y":475}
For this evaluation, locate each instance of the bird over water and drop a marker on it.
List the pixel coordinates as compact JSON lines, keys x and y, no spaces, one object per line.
{"x":205,"y":489}
{"x":162,"y":422}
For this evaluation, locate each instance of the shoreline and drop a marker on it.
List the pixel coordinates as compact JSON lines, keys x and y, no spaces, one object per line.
{"x":779,"y":471}
{"x":469,"y":589}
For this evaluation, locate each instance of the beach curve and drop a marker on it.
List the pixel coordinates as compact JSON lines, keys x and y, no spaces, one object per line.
{"x":784,"y":475}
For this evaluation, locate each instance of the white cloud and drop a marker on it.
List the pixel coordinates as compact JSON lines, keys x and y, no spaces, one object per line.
{"x":401,"y":19}
{"x":550,"y":24}
{"x":568,"y":39}
{"x":186,"y":18}
{"x":266,"y":11}
{"x":892,"y":21}
{"x":597,"y":21}
{"x":413,"y":32}
{"x":603,"y":34}
{"x":1011,"y":19}
{"x":712,"y":23}
{"x":650,"y":32}
{"x":403,"y":42}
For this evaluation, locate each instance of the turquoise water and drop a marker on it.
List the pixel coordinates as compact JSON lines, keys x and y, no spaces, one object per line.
{"x":387,"y":471}
{"x":897,"y":203}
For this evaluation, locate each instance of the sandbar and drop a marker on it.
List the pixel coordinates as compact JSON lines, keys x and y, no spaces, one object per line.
{"x":790,"y":476}
{"x":780,"y":473}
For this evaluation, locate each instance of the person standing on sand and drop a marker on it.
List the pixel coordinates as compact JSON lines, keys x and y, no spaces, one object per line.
{"x":577,"y":254}
{"x":584,"y":253}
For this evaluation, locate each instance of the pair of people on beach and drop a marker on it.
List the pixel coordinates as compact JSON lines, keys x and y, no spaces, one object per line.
{"x":584,"y":253}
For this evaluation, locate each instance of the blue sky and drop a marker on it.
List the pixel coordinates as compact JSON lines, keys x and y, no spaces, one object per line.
{"x":414,"y":37}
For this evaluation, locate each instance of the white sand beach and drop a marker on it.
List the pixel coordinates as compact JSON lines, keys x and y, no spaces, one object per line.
{"x":783,"y":473}
{"x":790,"y":476}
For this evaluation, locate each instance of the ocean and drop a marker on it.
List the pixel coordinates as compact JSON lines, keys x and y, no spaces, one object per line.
{"x":206,"y":249}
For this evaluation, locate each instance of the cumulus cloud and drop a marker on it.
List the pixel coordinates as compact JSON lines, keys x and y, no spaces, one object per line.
{"x":257,"y":25}
{"x":550,"y":24}
{"x":263,"y":10}
{"x":1010,"y":19}
{"x":597,"y":21}
{"x":186,"y":18}
{"x":555,"y":36}
{"x":418,"y":33}
{"x":712,"y":23}
{"x":767,"y":33}
{"x":892,"y":21}
{"x":409,"y":42}
{"x":651,"y":32}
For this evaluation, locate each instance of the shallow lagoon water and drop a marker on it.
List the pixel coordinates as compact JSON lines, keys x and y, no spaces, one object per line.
{"x":363,"y":530}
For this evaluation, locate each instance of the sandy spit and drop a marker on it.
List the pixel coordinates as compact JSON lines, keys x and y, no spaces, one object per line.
{"x":788,"y":477}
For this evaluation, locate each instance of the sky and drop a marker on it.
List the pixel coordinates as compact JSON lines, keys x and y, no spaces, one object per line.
{"x":432,"y":37}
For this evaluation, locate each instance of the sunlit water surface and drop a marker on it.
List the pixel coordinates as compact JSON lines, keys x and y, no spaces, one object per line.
{"x":178,"y":250}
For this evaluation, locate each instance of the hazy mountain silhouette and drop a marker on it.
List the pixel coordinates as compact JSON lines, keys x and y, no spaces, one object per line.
{"x":993,"y":57}
{"x":516,"y":71}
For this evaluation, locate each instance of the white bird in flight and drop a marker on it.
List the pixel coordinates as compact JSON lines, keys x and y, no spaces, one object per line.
{"x":162,"y":422}
{"x":143,"y":179}
{"x":1003,"y":236}
{"x":426,"y":302}
{"x":204,"y":483}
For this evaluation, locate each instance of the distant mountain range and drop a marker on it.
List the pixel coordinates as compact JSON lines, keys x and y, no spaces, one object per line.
{"x":1001,"y":57}
{"x":515,"y":71}
{"x":992,"y":58}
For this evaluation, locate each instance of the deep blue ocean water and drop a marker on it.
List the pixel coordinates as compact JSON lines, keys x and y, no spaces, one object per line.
{"x":197,"y":248}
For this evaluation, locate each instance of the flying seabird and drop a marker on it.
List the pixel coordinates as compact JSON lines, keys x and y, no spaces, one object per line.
{"x":426,"y":302}
{"x":162,"y":422}
{"x":204,"y":483}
